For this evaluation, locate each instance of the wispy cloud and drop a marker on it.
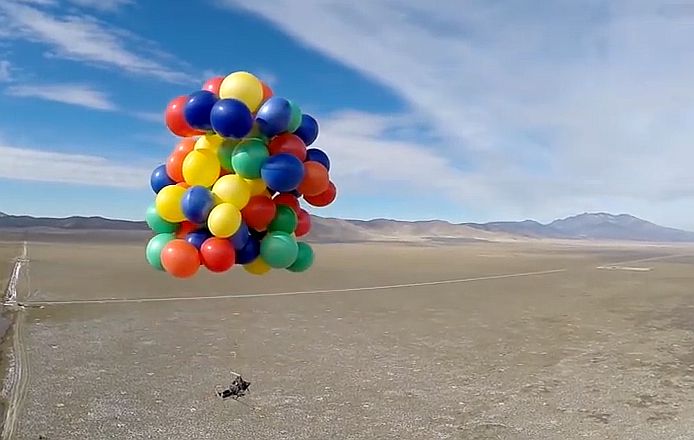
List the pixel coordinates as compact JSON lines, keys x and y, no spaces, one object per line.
{"x":268,"y":77}
{"x":46,"y":166}
{"x":74,"y":94}
{"x":5,"y":71}
{"x":150,"y":116}
{"x":553,"y":107}
{"x":87,"y":39}
{"x":103,"y":5}
{"x":38,"y":2}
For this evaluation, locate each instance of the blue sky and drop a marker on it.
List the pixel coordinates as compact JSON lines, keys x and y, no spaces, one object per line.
{"x":466,"y":111}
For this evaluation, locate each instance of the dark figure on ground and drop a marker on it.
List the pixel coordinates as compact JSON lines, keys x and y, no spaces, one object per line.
{"x":238,"y":388}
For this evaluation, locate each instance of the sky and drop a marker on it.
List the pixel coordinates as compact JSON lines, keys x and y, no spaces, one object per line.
{"x":459,"y":110}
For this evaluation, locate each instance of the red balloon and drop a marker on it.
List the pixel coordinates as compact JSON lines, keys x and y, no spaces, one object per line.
{"x":287,"y":199}
{"x":175,"y":119}
{"x":304,"y":225}
{"x":186,"y":227}
{"x":217,"y":254}
{"x":174,"y":163}
{"x":267,"y":91}
{"x":288,"y":143}
{"x":323,"y":199}
{"x":223,"y":172}
{"x":259,"y":212}
{"x":213,"y":84}
{"x":316,"y":179}
{"x":180,"y":258}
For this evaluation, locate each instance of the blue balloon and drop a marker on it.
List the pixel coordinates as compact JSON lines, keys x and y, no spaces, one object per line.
{"x":197,"y":203}
{"x":319,"y":156}
{"x":274,"y":116}
{"x":231,"y":118}
{"x":282,"y":172}
{"x":197,"y":238}
{"x":198,"y":108}
{"x":240,"y":237}
{"x":308,"y":130}
{"x":160,"y":179}
{"x":249,"y":252}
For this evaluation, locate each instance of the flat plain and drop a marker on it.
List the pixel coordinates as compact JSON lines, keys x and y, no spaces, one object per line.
{"x":524,"y":341}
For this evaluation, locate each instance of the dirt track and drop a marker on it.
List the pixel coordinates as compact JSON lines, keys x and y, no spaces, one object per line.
{"x":585,"y":353}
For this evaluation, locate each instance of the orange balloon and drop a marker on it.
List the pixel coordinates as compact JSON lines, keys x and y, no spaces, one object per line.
{"x":174,"y":164}
{"x":180,"y":258}
{"x":267,"y":91}
{"x":323,"y":199}
{"x":316,"y":179}
{"x":185,"y":145}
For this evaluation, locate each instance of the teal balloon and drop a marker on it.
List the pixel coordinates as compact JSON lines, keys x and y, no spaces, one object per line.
{"x":304,"y":259}
{"x":154,"y":247}
{"x":249,"y":157}
{"x":279,"y":249}
{"x":295,"y":121}
{"x":158,"y":224}
{"x":285,"y":220}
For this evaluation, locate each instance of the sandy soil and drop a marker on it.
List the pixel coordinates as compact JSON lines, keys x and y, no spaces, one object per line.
{"x":583,"y":353}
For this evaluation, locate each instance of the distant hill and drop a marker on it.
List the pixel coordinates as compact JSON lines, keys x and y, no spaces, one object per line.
{"x":593,"y":226}
{"x":587,"y":226}
{"x":74,"y":223}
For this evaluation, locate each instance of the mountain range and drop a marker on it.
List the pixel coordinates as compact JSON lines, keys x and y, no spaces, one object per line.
{"x":586,"y":226}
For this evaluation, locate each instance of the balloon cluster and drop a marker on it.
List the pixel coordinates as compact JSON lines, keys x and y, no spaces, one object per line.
{"x":229,"y":193}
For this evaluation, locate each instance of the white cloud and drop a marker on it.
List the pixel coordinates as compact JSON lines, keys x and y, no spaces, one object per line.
{"x":46,"y":166}
{"x":363,"y":156}
{"x":553,"y":107}
{"x":74,"y":94}
{"x":84,"y":38}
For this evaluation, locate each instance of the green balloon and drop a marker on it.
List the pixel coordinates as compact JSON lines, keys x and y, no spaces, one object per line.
{"x":279,"y":249}
{"x":304,"y":258}
{"x":295,"y":121}
{"x":154,"y":247}
{"x":285,"y":220}
{"x":226,"y":152}
{"x":248,"y":157}
{"x":156,"y":223}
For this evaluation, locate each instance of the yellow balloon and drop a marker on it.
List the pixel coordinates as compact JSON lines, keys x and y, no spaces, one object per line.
{"x":232,"y":189}
{"x":243,"y":86}
{"x":224,"y":220}
{"x":201,"y":167}
{"x":210,"y":141}
{"x":257,"y":186}
{"x":257,"y":267}
{"x":168,"y":203}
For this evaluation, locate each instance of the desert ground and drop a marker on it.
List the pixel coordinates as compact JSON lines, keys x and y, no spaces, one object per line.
{"x":526,"y":341}
{"x":8,"y":252}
